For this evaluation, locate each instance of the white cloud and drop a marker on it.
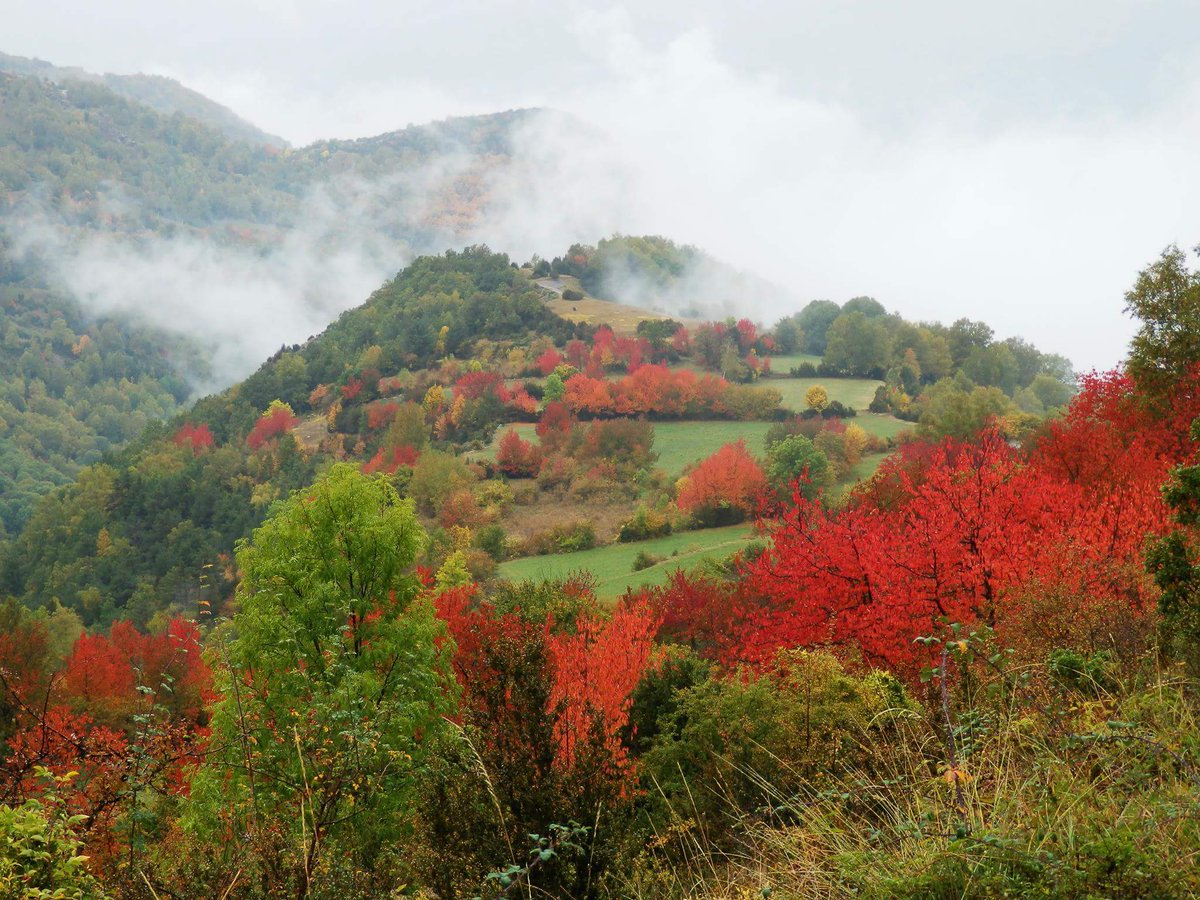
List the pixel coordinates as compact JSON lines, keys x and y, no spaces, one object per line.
{"x":1016,"y":164}
{"x":1035,"y":228}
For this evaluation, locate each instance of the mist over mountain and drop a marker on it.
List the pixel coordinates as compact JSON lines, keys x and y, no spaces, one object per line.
{"x":146,"y":258}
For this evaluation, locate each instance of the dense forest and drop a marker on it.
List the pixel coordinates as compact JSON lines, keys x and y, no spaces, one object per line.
{"x":163,"y":95}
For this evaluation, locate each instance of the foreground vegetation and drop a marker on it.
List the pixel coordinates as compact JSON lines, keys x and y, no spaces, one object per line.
{"x":309,"y":640}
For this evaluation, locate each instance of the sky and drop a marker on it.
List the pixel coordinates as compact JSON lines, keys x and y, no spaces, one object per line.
{"x":1016,"y":163}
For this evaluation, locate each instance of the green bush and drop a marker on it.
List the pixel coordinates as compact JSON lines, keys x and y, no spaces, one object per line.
{"x":645,"y":560}
{"x":40,"y":855}
{"x":645,"y":524}
{"x":562,"y":539}
{"x":493,"y":540}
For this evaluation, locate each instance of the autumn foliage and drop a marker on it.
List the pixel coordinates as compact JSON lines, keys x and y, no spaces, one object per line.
{"x":730,"y":484}
{"x":517,"y":457}
{"x":277,"y":420}
{"x":389,"y":459}
{"x":960,"y":532}
{"x":198,"y":437}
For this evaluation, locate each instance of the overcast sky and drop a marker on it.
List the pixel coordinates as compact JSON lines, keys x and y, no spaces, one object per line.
{"x":1014,"y":162}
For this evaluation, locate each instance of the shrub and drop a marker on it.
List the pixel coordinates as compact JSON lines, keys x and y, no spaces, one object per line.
{"x":562,"y":539}
{"x":645,"y":560}
{"x":493,"y":541}
{"x":644,"y":524}
{"x":571,"y":295}
{"x":837,"y":410}
{"x":724,"y":488}
{"x":40,"y":854}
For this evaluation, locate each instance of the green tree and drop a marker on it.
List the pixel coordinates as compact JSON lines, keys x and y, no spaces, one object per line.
{"x":40,"y":852}
{"x":335,"y":679}
{"x":814,"y":320}
{"x":788,"y":335}
{"x":794,"y":457}
{"x":994,"y":366}
{"x":966,"y":336}
{"x":955,"y":408}
{"x":1166,"y":299}
{"x":858,"y":345}
{"x":868,"y":306}
{"x":554,"y":388}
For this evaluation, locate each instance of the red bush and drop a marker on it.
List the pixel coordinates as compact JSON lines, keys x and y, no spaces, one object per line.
{"x":729,"y":479}
{"x":516,"y":457}
{"x":200,"y":437}
{"x":271,"y":424}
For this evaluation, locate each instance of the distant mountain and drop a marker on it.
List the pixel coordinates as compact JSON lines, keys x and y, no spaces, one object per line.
{"x":101,"y":161}
{"x":162,"y":94}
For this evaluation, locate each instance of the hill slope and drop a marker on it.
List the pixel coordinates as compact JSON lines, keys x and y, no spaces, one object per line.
{"x":162,"y":94}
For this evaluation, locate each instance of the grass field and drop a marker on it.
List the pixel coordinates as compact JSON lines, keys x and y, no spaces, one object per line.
{"x":677,"y":443}
{"x":681,"y":443}
{"x":613,"y":565}
{"x":854,"y":392}
{"x":880,"y":425}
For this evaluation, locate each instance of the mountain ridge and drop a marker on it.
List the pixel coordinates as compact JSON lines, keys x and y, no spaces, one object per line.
{"x":160,"y":92}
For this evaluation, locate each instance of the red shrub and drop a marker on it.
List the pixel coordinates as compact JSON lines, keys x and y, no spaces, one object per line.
{"x":271,"y":424}
{"x":200,"y":437}
{"x":730,"y":479}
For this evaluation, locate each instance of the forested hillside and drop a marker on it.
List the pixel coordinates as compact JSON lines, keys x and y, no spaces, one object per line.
{"x":72,"y":386}
{"x":71,"y":145}
{"x":164,"y":95}
{"x":83,"y":163}
{"x":280,"y":647}
{"x":504,"y":421}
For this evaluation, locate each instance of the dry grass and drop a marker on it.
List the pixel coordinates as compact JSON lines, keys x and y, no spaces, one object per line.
{"x":1047,"y":788}
{"x":552,"y":509}
{"x":311,"y":432}
{"x":622,"y":319}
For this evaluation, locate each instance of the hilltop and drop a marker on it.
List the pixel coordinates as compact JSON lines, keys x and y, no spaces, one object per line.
{"x":162,"y":94}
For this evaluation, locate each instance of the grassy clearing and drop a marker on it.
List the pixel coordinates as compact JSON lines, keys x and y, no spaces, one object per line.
{"x":527,"y":430}
{"x":620,"y":318}
{"x":854,"y":392}
{"x":880,"y":425}
{"x":681,"y":443}
{"x":677,"y":443}
{"x":613,"y":565}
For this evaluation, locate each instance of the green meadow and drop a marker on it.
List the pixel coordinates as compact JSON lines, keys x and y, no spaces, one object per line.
{"x":613,"y":564}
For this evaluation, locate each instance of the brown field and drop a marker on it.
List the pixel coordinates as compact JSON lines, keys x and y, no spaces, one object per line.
{"x":550,"y":510}
{"x":622,"y":319}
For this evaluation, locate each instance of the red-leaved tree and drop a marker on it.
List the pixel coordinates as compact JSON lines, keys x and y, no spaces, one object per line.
{"x":728,"y":486}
